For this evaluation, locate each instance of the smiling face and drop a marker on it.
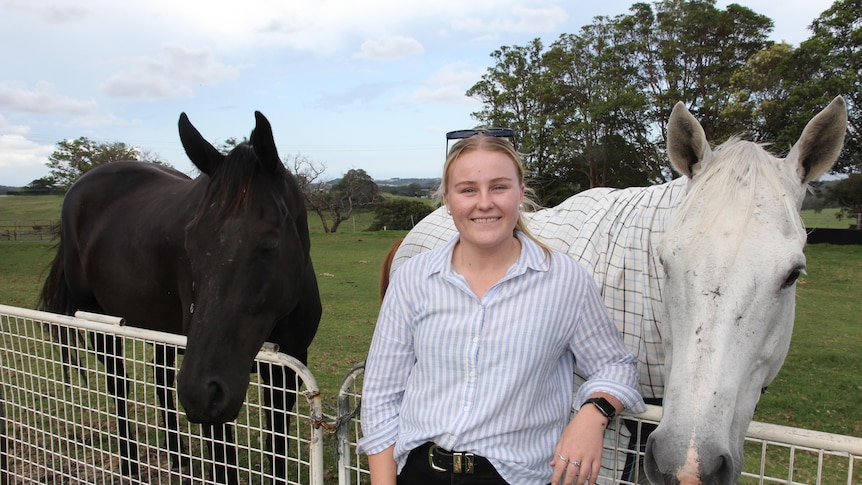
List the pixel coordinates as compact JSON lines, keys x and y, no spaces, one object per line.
{"x":483,"y":194}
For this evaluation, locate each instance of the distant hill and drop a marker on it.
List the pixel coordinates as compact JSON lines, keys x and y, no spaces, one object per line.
{"x":429,"y":183}
{"x":399,"y":182}
{"x":5,"y":188}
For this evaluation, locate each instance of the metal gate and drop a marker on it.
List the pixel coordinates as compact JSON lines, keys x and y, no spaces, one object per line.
{"x":773,"y":454}
{"x":57,"y":421}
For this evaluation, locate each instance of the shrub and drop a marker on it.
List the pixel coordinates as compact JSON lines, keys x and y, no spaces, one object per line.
{"x":395,"y":214}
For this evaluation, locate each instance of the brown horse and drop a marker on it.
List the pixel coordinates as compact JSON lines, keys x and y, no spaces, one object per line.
{"x":386,"y":266}
{"x":223,"y":259}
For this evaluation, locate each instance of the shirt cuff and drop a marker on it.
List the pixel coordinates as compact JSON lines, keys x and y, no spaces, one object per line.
{"x":379,"y":440}
{"x":630,"y":398}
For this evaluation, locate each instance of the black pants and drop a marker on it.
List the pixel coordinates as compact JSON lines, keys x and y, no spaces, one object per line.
{"x":418,"y":471}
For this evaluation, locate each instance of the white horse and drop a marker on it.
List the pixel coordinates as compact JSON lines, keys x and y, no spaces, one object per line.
{"x":699,"y":275}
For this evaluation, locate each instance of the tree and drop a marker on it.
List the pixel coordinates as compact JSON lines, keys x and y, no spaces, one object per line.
{"x":334,"y":204}
{"x":829,"y":63}
{"x":599,"y":126}
{"x":761,"y":87}
{"x":73,"y":158}
{"x":848,"y":195}
{"x":44,"y":184}
{"x":514,"y":94}
{"x":395,"y":214}
{"x":687,"y":51}
{"x":591,"y":110}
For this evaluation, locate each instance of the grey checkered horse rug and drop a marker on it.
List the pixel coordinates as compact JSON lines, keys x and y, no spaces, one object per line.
{"x":699,"y":276}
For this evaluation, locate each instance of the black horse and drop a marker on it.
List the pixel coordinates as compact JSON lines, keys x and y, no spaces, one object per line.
{"x":223,"y":259}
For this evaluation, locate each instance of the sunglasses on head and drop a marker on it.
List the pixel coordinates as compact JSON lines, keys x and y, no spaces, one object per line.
{"x":496,"y":132}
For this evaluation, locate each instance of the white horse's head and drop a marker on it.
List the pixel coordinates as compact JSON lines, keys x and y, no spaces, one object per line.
{"x":731,"y":257}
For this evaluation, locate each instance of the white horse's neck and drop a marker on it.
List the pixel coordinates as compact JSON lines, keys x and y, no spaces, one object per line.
{"x":614,"y":234}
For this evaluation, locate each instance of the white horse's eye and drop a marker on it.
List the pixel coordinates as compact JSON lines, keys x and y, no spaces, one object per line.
{"x":792,"y":277}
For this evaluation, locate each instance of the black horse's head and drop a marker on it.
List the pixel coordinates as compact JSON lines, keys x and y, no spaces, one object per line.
{"x":248,"y":253}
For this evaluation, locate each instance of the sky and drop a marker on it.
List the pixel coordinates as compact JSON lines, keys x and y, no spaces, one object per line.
{"x":371,"y":84}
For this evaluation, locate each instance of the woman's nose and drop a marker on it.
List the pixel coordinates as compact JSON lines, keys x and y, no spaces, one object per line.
{"x":485,"y":200}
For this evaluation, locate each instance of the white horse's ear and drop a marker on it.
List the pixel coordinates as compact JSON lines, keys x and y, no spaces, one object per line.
{"x":820,"y":143}
{"x":687,"y":147}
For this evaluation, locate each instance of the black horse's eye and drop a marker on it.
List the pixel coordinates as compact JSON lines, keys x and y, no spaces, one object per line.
{"x":268,"y":244}
{"x":792,"y":277}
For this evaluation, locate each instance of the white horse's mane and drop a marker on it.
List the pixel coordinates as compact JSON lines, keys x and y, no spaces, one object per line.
{"x":734,"y":172}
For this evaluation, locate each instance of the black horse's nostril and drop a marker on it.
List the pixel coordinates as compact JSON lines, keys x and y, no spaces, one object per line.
{"x":214,"y":401}
{"x":206,"y":402}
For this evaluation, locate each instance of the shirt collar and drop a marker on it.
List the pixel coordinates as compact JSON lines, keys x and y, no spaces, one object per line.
{"x":532,"y":257}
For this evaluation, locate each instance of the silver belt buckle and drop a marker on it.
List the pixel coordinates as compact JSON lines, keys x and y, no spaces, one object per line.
{"x":462,"y":463}
{"x":431,"y":459}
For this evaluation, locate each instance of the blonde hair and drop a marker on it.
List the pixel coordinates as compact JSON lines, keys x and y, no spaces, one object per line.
{"x":503,"y":145}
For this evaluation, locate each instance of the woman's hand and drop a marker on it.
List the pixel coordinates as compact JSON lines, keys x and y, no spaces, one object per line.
{"x":578,"y":455}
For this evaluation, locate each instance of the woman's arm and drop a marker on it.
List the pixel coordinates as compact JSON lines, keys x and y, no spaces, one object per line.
{"x":382,"y":467}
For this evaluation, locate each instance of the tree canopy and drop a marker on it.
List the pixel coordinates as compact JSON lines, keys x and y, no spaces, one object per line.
{"x":73,"y":158}
{"x":591,"y":108}
{"x":848,"y":195}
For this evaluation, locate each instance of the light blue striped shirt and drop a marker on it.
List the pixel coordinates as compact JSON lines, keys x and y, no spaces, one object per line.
{"x":491,"y":376}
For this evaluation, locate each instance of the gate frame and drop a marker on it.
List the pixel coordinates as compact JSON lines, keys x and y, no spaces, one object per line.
{"x":115,"y":326}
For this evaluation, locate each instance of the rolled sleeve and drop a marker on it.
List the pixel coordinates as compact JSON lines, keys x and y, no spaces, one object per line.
{"x":602,"y":356}
{"x":379,"y":439}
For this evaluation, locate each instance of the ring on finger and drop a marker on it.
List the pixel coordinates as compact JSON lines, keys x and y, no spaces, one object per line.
{"x":576,"y":463}
{"x":563,"y":458}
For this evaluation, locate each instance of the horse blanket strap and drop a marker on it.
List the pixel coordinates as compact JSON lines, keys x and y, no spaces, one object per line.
{"x":457,"y":462}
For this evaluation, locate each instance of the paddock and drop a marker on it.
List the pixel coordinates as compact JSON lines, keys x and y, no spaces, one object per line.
{"x":57,"y":423}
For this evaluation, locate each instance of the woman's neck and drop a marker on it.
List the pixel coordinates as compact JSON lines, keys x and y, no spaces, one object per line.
{"x":484,"y":267}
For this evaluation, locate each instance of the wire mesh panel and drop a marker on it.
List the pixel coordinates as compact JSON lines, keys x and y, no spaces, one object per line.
{"x":773,"y":454}
{"x":58,"y":418}
{"x":352,"y":466}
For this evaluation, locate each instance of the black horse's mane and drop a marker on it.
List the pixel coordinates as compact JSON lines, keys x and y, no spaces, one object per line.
{"x":234,"y":184}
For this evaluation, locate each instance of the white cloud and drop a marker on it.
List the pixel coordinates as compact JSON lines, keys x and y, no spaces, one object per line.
{"x":41,"y":100}
{"x":18,"y":151}
{"x":458,"y":72}
{"x":449,"y":84}
{"x":389,"y":48}
{"x":173,"y":75}
{"x":450,"y":94}
{"x":523,"y":20}
{"x":51,"y":13}
{"x":22,"y":160}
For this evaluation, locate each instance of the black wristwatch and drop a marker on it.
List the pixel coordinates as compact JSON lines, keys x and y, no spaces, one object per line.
{"x":605,"y":407}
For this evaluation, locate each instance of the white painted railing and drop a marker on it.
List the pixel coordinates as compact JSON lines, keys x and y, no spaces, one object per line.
{"x":57,"y":420}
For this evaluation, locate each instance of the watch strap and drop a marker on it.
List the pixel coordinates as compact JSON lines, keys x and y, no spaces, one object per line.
{"x":604,"y":406}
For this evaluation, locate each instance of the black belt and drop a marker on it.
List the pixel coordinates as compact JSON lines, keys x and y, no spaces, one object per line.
{"x":458,"y":462}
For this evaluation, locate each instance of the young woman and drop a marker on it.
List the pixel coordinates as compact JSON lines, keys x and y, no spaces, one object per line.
{"x":469,"y":374}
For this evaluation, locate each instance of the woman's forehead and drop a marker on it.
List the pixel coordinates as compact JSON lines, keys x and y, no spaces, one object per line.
{"x":487,"y":163}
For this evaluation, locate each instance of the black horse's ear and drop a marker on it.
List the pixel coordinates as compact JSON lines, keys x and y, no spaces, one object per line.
{"x":264,"y":144}
{"x":205,"y":156}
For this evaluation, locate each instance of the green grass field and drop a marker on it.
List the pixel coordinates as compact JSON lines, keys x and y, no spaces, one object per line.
{"x":818,"y":388}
